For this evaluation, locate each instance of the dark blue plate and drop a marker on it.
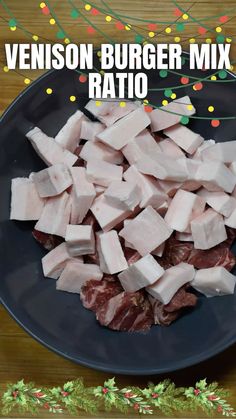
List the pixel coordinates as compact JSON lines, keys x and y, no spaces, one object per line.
{"x":57,"y":319}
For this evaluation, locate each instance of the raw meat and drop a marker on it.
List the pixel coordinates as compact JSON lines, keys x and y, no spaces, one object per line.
{"x":80,"y":240}
{"x":219,"y":201}
{"x":109,"y":112}
{"x":126,"y":312}
{"x":219,"y":255}
{"x":75,"y":274}
{"x":182,"y":299}
{"x":103,"y":173}
{"x":171,"y":149}
{"x":163,"y":167}
{"x":107,"y":215}
{"x":144,"y":143}
{"x":208,"y":230}
{"x":100,"y":151}
{"x":26,"y":204}
{"x":224,"y":152}
{"x":48,"y":241}
{"x":214,"y":281}
{"x":111,"y":256}
{"x":69,"y":135}
{"x":95,"y":294}
{"x":89,"y":130}
{"x":55,"y":261}
{"x":52,"y":181}
{"x":188,"y":140}
{"x":82,"y":195}
{"x":123,"y":194}
{"x":215,"y":176}
{"x":160,"y":315}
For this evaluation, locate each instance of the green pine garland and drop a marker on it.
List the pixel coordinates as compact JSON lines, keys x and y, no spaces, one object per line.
{"x":164,"y":397}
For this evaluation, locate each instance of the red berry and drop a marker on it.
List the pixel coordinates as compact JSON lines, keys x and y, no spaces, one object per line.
{"x":105,"y":390}
{"x":38,"y":394}
{"x":46,"y":406}
{"x":196,"y":391}
{"x":155,"y":395}
{"x":136,"y":406}
{"x":15,"y":394}
{"x":128,"y":395}
{"x":219,"y":409}
{"x":212,"y":398}
{"x":64,"y":393}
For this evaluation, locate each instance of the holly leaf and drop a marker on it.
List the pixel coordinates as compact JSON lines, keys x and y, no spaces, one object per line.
{"x":202,"y":384}
{"x":110,"y":384}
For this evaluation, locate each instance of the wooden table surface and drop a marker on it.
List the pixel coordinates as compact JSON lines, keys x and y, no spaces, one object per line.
{"x":20,"y":355}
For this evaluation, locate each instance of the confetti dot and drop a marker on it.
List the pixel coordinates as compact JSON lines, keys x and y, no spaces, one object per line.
{"x":180,"y":27}
{"x":90,"y":30}
{"x":122,"y":104}
{"x":152,"y":26}
{"x":13,"y":28}
{"x":222,"y":74}
{"x":52,"y":21}
{"x":60,"y":35}
{"x":177,"y":12}
{"x":173,"y":96}
{"x":98,"y":103}
{"x":231,"y":67}
{"x":82,"y":78}
{"x":148,"y":109}
{"x":42,"y":5}
{"x":168,"y":92}
{"x":229,"y":40}
{"x":74,"y":13}
{"x":35,"y":37}
{"x":128,"y":27}
{"x":213,"y":78}
{"x":183,"y":60}
{"x":163,"y":73}
{"x":46,"y":11}
{"x":165,"y":102}
{"x":151,"y":34}
{"x":184,"y":120}
{"x":102,"y":72}
{"x":218,"y":29}
{"x":49,"y":91}
{"x":198,"y":86}
{"x":177,"y":39}
{"x":95,"y":12}
{"x":87,"y":7}
{"x":99,"y":53}
{"x":120,"y":26}
{"x":5,"y":69}
{"x":138,"y":39}
{"x":145,"y":102}
{"x":184,"y":80}
{"x":72,"y":98}
{"x":185,"y":16}
{"x":220,"y":39}
{"x":66,"y":40}
{"x":108,"y":18}
{"x":168,"y":30}
{"x":224,"y":19}
{"x":12,"y":22}
{"x":190,"y":107}
{"x":192,"y":40}
{"x":202,"y":30}
{"x":145,"y":42}
{"x":211,"y":108}
{"x":27,"y":81}
{"x":208,"y":41}
{"x":215,"y":123}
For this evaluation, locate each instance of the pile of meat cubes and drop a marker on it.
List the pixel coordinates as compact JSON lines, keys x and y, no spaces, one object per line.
{"x":136,"y":211}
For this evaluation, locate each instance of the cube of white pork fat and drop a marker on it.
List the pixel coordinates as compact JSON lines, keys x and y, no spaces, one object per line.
{"x":208,"y":230}
{"x":151,"y":193}
{"x":103,"y":173}
{"x":219,"y":201}
{"x":98,"y":150}
{"x":140,"y":274}
{"x":188,"y":140}
{"x":215,"y":176}
{"x":198,"y":154}
{"x":26,"y":204}
{"x":127,"y":244}
{"x":55,"y":261}
{"x":146,"y":231}
{"x":214,"y":281}
{"x":164,"y":118}
{"x":55,"y":215}
{"x":231,"y":220}
{"x":184,"y":237}
{"x":191,"y":166}
{"x":80,"y":240}
{"x":111,"y":256}
{"x":172,"y":280}
{"x":110,"y":111}
{"x":169,"y":187}
{"x":99,"y":189}
{"x":49,"y":151}
{"x":124,"y":194}
{"x":162,"y":209}
{"x":52,"y":181}
{"x":171,"y":149}
{"x":82,"y":195}
{"x":162,"y":167}
{"x":108,"y":216}
{"x":119,"y":134}
{"x":224,"y":152}
{"x":74,"y":276}
{"x":89,"y":130}
{"x":142,"y":143}
{"x":181,"y":210}
{"x":159,"y":250}
{"x":69,"y":135}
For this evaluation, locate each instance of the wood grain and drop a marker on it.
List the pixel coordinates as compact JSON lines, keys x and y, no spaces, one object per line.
{"x":20,"y":355}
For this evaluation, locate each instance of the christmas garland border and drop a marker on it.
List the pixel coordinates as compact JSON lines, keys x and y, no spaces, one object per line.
{"x":74,"y":396}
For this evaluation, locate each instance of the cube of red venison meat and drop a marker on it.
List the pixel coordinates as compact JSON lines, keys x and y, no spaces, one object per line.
{"x":48,"y":241}
{"x":219,"y":255}
{"x":94,"y":294}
